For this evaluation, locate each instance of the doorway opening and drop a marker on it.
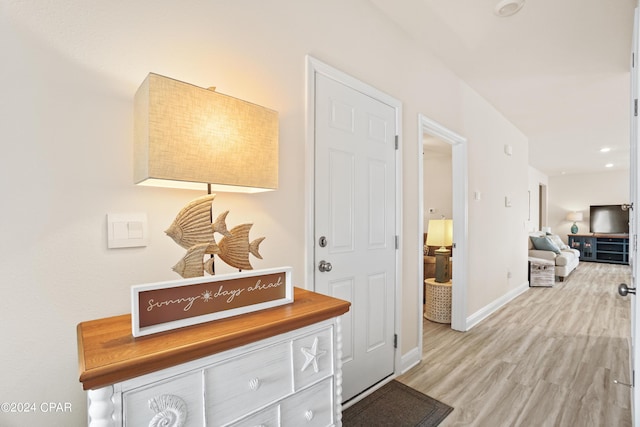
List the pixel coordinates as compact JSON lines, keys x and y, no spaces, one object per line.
{"x":459,"y":213}
{"x":542,"y":206}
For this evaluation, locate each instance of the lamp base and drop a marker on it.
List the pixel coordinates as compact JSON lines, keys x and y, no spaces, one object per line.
{"x":574,"y":228}
{"x":443,"y":273}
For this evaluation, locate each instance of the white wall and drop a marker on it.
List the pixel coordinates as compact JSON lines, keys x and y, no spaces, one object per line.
{"x":497,"y":234}
{"x":69,"y":72}
{"x":438,"y":186}
{"x":577,"y":192}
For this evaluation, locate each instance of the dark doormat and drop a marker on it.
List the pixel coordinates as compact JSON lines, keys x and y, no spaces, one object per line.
{"x":397,"y":405}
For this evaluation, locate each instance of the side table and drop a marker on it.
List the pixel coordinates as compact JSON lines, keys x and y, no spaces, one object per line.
{"x":437,"y":306}
{"x":541,"y":272}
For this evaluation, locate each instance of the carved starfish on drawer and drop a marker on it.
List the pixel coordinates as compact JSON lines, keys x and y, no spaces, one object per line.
{"x":311,"y":355}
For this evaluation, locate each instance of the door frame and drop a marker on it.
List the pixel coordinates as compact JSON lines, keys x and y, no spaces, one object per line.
{"x":460,"y":220}
{"x":314,"y":66}
{"x":634,"y":218}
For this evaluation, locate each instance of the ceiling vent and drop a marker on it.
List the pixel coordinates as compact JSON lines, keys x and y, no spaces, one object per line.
{"x":506,"y":8}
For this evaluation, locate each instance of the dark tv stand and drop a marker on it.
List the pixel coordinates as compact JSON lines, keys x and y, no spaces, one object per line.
{"x":611,"y":248}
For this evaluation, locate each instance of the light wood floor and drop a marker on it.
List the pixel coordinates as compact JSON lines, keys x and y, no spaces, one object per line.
{"x":548,"y":358}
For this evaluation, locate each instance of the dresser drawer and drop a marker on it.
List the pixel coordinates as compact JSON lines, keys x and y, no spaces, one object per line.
{"x":177,"y":397}
{"x":241,"y":385}
{"x":312,"y":407}
{"x":269,"y":417}
{"x":312,"y":358}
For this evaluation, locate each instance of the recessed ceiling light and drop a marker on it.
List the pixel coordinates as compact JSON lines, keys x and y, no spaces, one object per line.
{"x":605,"y":149}
{"x":506,"y":8}
{"x":608,"y":165}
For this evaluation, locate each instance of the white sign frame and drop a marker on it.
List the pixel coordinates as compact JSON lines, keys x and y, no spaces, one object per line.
{"x":136,"y":290}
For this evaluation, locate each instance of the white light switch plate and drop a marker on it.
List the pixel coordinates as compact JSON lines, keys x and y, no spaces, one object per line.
{"x":128,"y":230}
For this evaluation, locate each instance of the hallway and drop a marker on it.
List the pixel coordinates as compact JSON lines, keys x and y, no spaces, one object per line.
{"x":548,"y":358}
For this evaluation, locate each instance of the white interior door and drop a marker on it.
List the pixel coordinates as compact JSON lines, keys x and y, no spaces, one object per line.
{"x":634,"y":219}
{"x":355,"y":225}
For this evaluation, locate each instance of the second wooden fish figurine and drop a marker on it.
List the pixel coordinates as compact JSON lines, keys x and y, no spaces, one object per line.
{"x":194,"y":230}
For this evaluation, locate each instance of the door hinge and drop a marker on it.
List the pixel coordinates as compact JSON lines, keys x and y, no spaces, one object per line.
{"x":397,"y":143}
{"x":635,"y":107}
{"x":395,"y":340}
{"x":397,"y":242}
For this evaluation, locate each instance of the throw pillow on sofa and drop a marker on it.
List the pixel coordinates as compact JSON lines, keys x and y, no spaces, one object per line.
{"x":558,"y":241}
{"x":544,"y":243}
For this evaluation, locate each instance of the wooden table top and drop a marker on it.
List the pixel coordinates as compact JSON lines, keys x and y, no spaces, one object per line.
{"x":108,"y":353}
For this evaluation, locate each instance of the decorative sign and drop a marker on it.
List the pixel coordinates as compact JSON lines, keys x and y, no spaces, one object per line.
{"x":158,"y":307}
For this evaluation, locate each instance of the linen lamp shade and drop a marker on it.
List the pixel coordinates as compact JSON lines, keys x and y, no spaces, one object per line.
{"x":440,"y":232}
{"x":574,"y":216}
{"x":186,"y":136}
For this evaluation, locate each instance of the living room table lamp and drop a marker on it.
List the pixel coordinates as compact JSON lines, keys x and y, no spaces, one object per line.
{"x":440,"y":233}
{"x":574,"y":216}
{"x":186,"y":136}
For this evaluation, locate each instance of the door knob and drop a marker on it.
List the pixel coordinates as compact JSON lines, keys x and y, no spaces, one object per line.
{"x":623,"y":290}
{"x":324,"y":266}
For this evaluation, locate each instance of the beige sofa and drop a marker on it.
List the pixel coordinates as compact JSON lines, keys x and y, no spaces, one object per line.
{"x":551,"y":247}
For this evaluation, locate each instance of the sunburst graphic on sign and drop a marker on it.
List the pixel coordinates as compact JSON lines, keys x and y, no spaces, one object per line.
{"x":206,"y":296}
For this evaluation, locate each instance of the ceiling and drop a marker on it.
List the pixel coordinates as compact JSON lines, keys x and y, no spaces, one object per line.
{"x":558,"y":70}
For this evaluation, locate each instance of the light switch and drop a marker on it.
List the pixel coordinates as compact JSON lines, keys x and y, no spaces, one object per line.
{"x":134,"y":229}
{"x":127,"y":230}
{"x":120,"y":230}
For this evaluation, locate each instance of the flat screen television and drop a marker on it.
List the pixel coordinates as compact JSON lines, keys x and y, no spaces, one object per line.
{"x":609,"y":219}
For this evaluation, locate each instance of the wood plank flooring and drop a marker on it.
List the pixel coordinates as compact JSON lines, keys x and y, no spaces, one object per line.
{"x":548,"y":358}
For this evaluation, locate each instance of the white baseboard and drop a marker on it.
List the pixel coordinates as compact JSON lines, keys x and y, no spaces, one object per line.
{"x":488,"y":310}
{"x":413,"y":356}
{"x":410,"y":359}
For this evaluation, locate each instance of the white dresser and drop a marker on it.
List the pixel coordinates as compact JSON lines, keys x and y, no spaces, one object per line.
{"x":276,"y":367}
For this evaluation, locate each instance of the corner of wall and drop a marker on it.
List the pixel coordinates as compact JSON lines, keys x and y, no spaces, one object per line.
{"x":410,"y":359}
{"x":491,"y":308}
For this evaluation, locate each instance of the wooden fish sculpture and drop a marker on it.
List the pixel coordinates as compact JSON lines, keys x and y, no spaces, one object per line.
{"x":194,"y":230}
{"x":193,"y":223}
{"x":192,"y":264}
{"x":220,"y":225}
{"x":235,"y":250}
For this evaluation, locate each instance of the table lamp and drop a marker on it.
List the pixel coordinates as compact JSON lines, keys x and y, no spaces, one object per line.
{"x":574,"y":216}
{"x":186,"y":136}
{"x":440,"y":233}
